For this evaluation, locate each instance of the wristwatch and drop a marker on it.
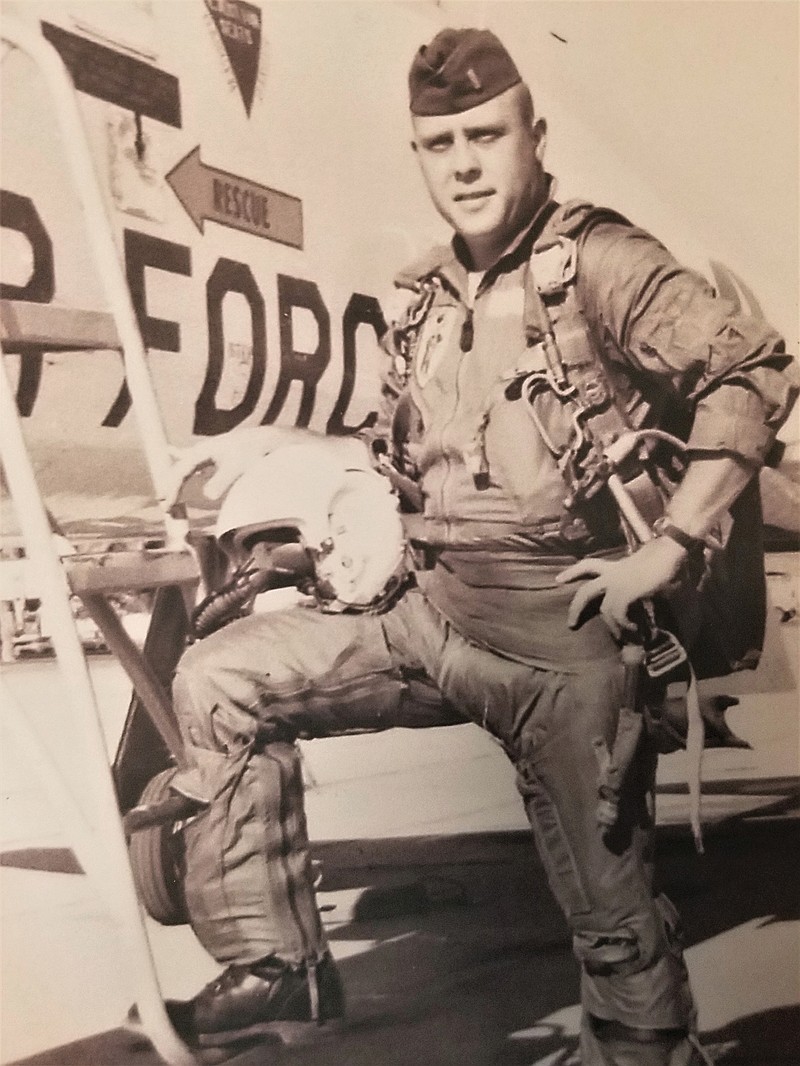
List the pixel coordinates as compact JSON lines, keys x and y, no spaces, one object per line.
{"x":663,"y":527}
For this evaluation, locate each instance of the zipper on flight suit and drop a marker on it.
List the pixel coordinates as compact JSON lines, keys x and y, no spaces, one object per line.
{"x":467,"y":332}
{"x":466,"y":341}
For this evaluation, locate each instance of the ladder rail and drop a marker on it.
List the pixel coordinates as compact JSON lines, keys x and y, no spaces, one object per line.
{"x":111,"y":847}
{"x":105,"y":848}
{"x":107,"y":260}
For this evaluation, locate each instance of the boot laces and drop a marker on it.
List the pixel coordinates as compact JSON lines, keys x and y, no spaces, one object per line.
{"x":230,"y":978}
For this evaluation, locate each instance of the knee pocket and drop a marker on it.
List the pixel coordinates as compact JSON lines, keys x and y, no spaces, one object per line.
{"x":603,"y":954}
{"x":207,"y":718}
{"x":635,"y":946}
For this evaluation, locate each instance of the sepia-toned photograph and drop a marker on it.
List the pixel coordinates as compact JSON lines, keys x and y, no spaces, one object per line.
{"x":399,"y":533}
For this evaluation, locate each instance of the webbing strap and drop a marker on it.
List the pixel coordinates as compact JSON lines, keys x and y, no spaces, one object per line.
{"x":695,"y":745}
{"x":539,"y":330}
{"x":313,"y":989}
{"x":694,"y":1040}
{"x":555,"y":320}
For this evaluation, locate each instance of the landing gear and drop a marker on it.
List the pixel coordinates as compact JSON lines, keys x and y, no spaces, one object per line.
{"x":156,"y":854}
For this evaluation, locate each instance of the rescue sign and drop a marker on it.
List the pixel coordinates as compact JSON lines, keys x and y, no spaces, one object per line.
{"x":208,"y":193}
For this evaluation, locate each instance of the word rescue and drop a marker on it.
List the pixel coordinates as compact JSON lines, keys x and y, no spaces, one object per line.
{"x":241,"y":203}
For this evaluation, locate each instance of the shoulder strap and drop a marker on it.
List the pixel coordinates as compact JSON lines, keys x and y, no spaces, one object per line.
{"x":555,"y":322}
{"x":722,"y":621}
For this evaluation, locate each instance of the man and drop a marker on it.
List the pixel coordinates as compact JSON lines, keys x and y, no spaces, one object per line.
{"x":493,"y":621}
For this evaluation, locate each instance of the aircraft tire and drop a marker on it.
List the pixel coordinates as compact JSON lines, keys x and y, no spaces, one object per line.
{"x":156,"y":861}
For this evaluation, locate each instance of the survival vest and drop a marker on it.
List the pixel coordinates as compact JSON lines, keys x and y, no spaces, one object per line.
{"x":719,"y":612}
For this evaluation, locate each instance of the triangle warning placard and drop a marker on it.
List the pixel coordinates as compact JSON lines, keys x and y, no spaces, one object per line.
{"x":239,"y":26}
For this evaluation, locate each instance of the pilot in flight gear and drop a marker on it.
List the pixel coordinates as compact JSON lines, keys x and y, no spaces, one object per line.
{"x":492,"y":623}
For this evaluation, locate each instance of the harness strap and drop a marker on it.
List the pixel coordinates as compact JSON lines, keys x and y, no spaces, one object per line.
{"x":695,"y":746}
{"x":555,"y":322}
{"x":313,"y":989}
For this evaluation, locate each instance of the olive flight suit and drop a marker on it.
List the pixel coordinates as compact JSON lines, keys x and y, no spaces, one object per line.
{"x":484,"y":628}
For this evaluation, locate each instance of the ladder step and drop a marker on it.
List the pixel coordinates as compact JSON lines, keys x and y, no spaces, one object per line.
{"x":125,"y":571}
{"x":35,"y":327}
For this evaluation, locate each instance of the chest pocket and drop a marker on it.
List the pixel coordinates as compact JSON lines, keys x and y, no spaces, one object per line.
{"x":517,"y":459}
{"x":510,"y":451}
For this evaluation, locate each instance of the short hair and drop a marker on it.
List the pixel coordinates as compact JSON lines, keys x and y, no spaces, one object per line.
{"x":525,"y":102}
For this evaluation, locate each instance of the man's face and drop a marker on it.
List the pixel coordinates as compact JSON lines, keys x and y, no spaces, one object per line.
{"x":483,"y":169}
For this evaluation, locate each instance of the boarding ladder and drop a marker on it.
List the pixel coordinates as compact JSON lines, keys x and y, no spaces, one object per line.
{"x":171,"y":568}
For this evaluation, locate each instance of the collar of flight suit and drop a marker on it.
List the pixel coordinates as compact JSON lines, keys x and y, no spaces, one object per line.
{"x":449,"y":262}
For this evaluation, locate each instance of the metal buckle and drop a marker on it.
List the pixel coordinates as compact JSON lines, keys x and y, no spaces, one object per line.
{"x":663,"y":652}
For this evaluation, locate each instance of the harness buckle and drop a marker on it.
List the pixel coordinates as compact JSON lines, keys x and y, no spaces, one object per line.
{"x":663,"y":653}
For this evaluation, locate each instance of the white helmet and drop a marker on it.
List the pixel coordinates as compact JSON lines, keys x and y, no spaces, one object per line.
{"x":346,"y":519}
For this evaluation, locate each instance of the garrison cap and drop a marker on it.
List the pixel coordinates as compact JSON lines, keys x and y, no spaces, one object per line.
{"x":458,"y":70}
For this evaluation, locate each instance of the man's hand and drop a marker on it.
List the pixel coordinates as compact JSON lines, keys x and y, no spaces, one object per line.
{"x":621,"y":583}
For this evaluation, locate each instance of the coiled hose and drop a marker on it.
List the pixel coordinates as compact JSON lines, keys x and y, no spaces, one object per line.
{"x":231,"y":601}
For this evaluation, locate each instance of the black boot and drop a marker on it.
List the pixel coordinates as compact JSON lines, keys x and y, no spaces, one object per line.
{"x":608,"y":1043}
{"x":267,"y":998}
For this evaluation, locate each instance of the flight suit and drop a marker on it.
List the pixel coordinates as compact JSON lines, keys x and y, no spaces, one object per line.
{"x":483,"y":635}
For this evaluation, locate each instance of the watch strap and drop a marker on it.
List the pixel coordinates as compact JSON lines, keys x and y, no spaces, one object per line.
{"x":663,"y":527}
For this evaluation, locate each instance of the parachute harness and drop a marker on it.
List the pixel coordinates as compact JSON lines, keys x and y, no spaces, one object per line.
{"x":600,"y":440}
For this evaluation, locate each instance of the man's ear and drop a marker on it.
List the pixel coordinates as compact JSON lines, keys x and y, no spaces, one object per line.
{"x":540,"y":137}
